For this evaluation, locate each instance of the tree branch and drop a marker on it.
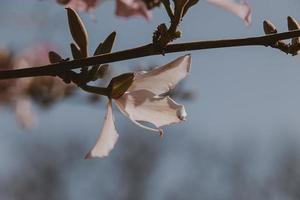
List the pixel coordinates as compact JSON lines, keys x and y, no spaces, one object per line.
{"x":143,"y":51}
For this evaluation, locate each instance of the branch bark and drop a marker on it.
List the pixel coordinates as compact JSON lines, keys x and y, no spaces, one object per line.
{"x":143,"y":51}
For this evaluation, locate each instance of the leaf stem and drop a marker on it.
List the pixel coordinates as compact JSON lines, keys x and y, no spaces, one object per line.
{"x":95,"y":90}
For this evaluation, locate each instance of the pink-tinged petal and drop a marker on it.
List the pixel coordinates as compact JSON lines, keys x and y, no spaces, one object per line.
{"x":143,"y":105}
{"x":81,"y":5}
{"x":24,"y":114}
{"x":108,"y":136}
{"x":78,"y":5}
{"x":128,"y":8}
{"x":241,"y":9}
{"x":162,"y":79}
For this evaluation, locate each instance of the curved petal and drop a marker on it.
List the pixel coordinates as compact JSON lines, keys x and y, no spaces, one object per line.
{"x":241,"y":9}
{"x":161,"y":79}
{"x":81,"y":5}
{"x":128,"y":8}
{"x":108,"y":136}
{"x":144,"y":106}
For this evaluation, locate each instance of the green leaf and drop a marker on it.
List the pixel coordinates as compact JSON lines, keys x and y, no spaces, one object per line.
{"x":78,"y":31}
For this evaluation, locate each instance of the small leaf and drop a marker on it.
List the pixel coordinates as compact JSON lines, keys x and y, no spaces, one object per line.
{"x":78,"y":31}
{"x":107,"y":45}
{"x":98,"y":71}
{"x":92,"y":74}
{"x":180,"y":6}
{"x":293,"y":25}
{"x":269,"y":28}
{"x":75,"y":51}
{"x":102,"y":71}
{"x":119,"y":85}
{"x":189,"y":5}
{"x":54,"y":57}
{"x":98,"y":49}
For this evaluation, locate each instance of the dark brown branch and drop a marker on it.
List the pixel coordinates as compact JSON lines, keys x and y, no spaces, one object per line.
{"x":147,"y":50}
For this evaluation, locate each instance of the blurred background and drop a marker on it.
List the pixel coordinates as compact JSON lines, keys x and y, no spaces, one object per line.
{"x":241,"y":139}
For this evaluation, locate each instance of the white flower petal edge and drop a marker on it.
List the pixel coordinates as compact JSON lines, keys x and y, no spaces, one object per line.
{"x":241,"y":9}
{"x":107,"y":138}
{"x":162,"y":79}
{"x":143,"y":105}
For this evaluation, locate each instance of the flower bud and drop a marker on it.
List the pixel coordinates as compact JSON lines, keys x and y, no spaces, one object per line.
{"x":269,"y":28}
{"x":293,"y":25}
{"x":78,"y":31}
{"x":119,"y":85}
{"x":54,"y":57}
{"x":178,"y":34}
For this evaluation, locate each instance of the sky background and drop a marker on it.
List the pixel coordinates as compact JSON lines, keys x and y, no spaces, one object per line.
{"x":247,"y":108}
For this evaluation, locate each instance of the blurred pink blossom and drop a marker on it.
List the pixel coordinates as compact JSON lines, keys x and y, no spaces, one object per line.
{"x":241,"y":8}
{"x":81,"y":5}
{"x":128,"y":8}
{"x":19,"y":92}
{"x":33,"y":56}
{"x":124,"y":8}
{"x":24,"y":113}
{"x":145,"y":101}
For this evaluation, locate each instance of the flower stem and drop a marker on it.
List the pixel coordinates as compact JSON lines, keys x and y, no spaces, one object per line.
{"x":143,"y":51}
{"x":95,"y":90}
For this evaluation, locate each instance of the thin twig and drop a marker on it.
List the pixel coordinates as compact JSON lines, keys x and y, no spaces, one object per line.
{"x":143,"y":51}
